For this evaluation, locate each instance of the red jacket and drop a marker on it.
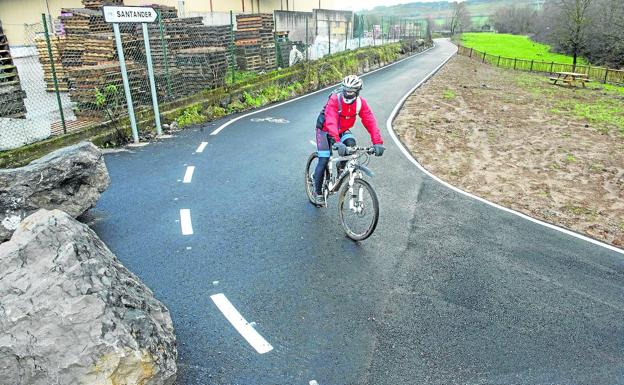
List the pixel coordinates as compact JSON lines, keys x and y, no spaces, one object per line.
{"x":347,"y":119}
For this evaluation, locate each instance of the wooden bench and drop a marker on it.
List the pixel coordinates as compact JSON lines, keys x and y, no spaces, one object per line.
{"x":570,"y":78}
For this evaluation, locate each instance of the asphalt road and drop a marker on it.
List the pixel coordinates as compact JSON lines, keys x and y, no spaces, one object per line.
{"x":448,"y":290}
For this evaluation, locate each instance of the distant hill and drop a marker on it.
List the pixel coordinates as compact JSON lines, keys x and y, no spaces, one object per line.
{"x":442,"y":8}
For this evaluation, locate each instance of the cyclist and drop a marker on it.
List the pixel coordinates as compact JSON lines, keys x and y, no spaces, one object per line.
{"x":333,"y":124}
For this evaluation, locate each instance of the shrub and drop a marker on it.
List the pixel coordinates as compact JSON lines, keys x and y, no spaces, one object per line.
{"x":190,"y":116}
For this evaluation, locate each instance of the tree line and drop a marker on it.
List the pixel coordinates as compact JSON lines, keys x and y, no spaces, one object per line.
{"x":593,"y":29}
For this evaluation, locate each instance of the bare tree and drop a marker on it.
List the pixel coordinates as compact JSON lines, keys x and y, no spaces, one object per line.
{"x":430,"y":28}
{"x":594,"y":31}
{"x":572,"y":27}
{"x":514,"y":20}
{"x":605,"y":44}
{"x":460,"y":19}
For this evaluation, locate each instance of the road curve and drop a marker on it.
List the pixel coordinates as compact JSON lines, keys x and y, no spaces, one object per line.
{"x":448,"y":290}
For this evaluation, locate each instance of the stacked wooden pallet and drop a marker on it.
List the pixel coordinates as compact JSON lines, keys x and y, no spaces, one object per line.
{"x":56,"y":45}
{"x":254,"y":29}
{"x":97,"y":4}
{"x":166,"y":12}
{"x":210,"y":35}
{"x":98,"y":49}
{"x":86,"y":79}
{"x":202,"y":67}
{"x":11,"y":93}
{"x":82,"y":21}
{"x":255,"y":42}
{"x":283,"y":49}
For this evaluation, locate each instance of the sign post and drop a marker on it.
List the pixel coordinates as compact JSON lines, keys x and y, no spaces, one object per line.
{"x":150,"y":70}
{"x":116,"y":15}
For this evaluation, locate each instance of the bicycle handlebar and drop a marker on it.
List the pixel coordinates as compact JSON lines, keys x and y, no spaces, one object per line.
{"x":353,"y":150}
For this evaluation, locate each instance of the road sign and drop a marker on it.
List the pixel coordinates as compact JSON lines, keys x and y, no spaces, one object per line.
{"x":129,"y":14}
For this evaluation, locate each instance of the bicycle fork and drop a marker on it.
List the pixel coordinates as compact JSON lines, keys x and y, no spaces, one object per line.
{"x":356,"y":199}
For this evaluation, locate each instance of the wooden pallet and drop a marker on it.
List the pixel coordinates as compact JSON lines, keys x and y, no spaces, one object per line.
{"x":11,"y":93}
{"x":97,"y":4}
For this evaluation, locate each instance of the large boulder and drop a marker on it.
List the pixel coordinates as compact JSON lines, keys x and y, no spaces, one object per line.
{"x":71,"y":313}
{"x":70,"y":179}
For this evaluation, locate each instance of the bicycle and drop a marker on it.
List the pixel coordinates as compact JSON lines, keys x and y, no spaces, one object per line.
{"x":357,"y":198}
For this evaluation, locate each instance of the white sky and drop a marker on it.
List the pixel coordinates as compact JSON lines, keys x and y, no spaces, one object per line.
{"x":357,"y":5}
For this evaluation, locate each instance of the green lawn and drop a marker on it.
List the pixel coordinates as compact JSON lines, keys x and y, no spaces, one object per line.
{"x":514,"y":46}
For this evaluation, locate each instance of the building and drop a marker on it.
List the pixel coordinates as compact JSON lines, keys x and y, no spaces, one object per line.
{"x":20,"y":18}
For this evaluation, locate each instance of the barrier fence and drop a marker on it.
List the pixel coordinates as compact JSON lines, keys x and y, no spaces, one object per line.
{"x":595,"y":73}
{"x":68,"y":75}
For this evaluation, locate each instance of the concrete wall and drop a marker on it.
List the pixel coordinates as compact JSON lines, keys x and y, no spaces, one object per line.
{"x":339,"y":23}
{"x":295,"y":23}
{"x":320,"y":23}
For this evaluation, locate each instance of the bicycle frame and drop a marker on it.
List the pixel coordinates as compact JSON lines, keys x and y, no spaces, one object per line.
{"x":352,"y":170}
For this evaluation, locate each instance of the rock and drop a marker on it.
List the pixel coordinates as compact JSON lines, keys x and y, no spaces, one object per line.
{"x":71,"y":313}
{"x":174,"y":126}
{"x":70,"y":179}
{"x":225,"y":101}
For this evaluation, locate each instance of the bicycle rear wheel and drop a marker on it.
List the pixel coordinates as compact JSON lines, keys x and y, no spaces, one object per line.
{"x":359,"y":210}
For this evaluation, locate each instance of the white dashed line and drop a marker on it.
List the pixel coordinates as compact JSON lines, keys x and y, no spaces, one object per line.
{"x":188,"y":175}
{"x":201,"y":147}
{"x":185,"y":222}
{"x":313,"y":143}
{"x":243,"y":327}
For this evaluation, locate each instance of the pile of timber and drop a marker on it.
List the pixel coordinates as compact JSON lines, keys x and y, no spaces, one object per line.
{"x":86,"y":79}
{"x":254,"y":29}
{"x":83,"y":21}
{"x":201,"y":68}
{"x":72,"y":50}
{"x":11,"y":93}
{"x":56,"y":45}
{"x":255,"y":42}
{"x":99,"y":49}
{"x":97,"y":4}
{"x":283,"y":46}
{"x":166,"y":12}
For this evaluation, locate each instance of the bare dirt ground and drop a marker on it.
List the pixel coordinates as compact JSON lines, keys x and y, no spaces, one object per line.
{"x":551,"y":152}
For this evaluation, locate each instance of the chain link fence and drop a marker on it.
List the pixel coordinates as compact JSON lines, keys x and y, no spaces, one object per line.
{"x":69,"y":76}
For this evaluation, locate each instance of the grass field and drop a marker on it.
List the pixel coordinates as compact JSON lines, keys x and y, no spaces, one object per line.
{"x":514,"y":46}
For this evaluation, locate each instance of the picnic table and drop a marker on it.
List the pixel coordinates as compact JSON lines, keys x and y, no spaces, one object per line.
{"x":570,"y":78}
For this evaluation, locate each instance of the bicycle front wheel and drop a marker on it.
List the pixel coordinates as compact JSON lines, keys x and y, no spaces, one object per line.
{"x":309,"y":176}
{"x":359,"y":209}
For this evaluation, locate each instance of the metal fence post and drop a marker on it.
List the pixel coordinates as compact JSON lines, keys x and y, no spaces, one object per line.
{"x":329,"y":35}
{"x":307,"y":42}
{"x":56,"y":88}
{"x":484,"y":56}
{"x":150,"y":72}
{"x":124,"y":76}
{"x":361,"y":32}
{"x":232,"y":57}
{"x":606,"y":75}
{"x":551,"y":66}
{"x":470,"y":55}
{"x":347,"y":36}
{"x":498,"y":62}
{"x":515,"y":62}
{"x":531,"y":70}
{"x":164,"y":48}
